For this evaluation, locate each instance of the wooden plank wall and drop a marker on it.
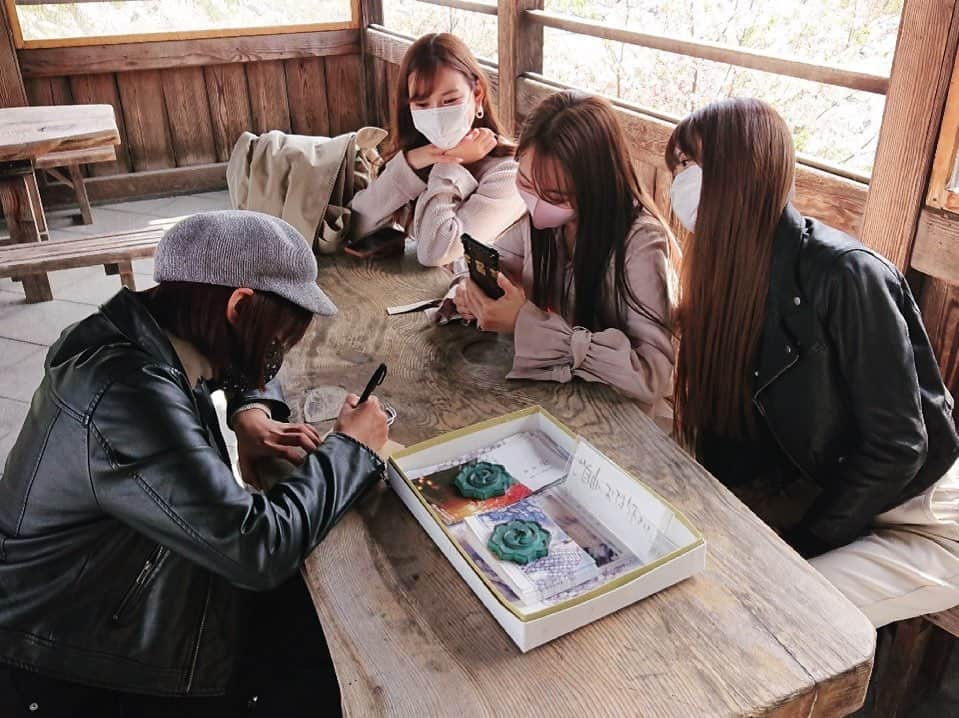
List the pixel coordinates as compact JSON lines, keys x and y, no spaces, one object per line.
{"x":181,"y":109}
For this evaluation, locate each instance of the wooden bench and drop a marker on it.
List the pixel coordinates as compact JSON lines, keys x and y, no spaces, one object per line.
{"x":115,"y":252}
{"x":72,"y":159}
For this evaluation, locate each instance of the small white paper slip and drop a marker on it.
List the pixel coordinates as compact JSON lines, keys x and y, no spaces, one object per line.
{"x":414,"y":307}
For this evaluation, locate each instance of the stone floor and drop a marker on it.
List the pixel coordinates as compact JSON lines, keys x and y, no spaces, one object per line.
{"x":26,"y":332}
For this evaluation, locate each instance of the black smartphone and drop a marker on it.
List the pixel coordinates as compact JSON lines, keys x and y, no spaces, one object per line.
{"x":483,"y":263}
{"x":384,"y":242}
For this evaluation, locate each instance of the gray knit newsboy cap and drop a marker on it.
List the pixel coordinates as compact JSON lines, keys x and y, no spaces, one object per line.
{"x":236,"y":248}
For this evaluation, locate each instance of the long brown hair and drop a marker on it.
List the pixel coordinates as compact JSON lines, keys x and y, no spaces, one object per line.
{"x":748,"y":161}
{"x":421,"y":60}
{"x":581,"y":134}
{"x":196,"y":313}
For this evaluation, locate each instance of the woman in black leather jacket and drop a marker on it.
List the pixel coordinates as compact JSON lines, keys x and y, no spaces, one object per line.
{"x":805,"y":379}
{"x":137,"y":576}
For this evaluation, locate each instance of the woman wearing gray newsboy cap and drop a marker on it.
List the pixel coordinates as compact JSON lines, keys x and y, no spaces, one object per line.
{"x":137,"y":577}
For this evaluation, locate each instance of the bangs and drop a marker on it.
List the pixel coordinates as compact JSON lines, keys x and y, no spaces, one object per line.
{"x":423,"y":76}
{"x":681,"y":140}
{"x":549,"y":177}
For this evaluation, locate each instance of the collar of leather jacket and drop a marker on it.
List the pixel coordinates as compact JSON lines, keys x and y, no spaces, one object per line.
{"x":123,"y":321}
{"x":790,"y":324}
{"x":130,"y":316}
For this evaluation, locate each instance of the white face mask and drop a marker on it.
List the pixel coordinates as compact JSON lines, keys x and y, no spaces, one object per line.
{"x":444,"y":127}
{"x":684,"y":194}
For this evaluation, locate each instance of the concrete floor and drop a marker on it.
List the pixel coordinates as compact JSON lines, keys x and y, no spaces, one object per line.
{"x":27,"y":331}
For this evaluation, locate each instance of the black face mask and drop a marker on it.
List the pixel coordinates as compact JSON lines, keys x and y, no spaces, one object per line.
{"x":234,"y":379}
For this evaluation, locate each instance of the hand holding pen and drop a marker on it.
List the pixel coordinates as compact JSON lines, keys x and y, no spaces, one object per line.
{"x":362,"y":417}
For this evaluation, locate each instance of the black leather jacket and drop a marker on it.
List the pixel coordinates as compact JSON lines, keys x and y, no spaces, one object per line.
{"x":126,"y":545}
{"x":846,"y":383}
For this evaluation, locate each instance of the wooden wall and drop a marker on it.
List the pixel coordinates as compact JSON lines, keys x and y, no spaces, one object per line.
{"x":180,"y":105}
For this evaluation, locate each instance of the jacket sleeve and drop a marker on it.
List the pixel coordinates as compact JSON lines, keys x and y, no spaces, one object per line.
{"x":395,"y":187}
{"x":271,"y":396}
{"x":454,"y":203}
{"x":869,"y":334}
{"x":154,"y":468}
{"x":637,"y":362}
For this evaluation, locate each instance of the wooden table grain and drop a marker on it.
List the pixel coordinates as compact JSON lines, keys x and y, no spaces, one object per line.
{"x":759,"y":632}
{"x":26,"y":133}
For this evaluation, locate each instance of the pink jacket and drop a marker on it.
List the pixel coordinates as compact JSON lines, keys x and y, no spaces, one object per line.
{"x":639,"y":362}
{"x":452,"y":201}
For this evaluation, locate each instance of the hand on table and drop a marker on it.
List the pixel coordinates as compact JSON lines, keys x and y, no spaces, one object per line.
{"x":259,"y":436}
{"x":494,"y":315}
{"x":364,"y":422}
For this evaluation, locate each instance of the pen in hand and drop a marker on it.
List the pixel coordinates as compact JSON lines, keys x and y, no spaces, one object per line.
{"x":378,"y":376}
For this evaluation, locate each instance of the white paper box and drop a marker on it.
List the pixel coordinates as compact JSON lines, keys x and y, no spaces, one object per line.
{"x":626,"y":507}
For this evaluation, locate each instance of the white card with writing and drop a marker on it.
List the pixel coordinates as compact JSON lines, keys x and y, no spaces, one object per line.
{"x":634,"y":515}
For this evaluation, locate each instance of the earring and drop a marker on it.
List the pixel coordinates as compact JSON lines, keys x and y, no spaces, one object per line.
{"x":480,"y":113}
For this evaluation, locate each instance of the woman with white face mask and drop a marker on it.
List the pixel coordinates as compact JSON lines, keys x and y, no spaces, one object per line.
{"x":588,"y":278}
{"x":447,"y":162}
{"x":805,"y":380}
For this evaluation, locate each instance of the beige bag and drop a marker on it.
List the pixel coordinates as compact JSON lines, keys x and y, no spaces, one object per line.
{"x":307,"y":181}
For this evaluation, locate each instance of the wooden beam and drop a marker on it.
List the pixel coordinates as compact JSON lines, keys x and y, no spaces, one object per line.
{"x":921,"y":72}
{"x":388,"y":46}
{"x":485,"y":8}
{"x":826,"y":74}
{"x":59,"y":61}
{"x":178,"y":180}
{"x":838,"y":201}
{"x":370,"y":12}
{"x":939,"y":193}
{"x":391,"y":46}
{"x":939,"y":302}
{"x":936,"y":251}
{"x":12,"y":91}
{"x":520,"y":50}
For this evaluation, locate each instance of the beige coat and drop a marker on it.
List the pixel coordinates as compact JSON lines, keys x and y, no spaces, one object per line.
{"x":637,"y":362}
{"x":307,"y":181}
{"x":453,"y":200}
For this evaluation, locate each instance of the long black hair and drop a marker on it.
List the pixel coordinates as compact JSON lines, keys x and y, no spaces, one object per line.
{"x":581,"y":134}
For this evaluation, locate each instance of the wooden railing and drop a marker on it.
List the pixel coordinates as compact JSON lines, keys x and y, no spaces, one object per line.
{"x":520,"y":31}
{"x":833,"y":193}
{"x":825,"y":74}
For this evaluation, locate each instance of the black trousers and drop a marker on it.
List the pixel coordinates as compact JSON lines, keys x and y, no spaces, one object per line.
{"x":285,"y":670}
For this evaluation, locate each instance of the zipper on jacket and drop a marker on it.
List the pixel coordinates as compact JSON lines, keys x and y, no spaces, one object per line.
{"x":149,"y":566}
{"x":762,"y":412}
{"x":199,"y":635}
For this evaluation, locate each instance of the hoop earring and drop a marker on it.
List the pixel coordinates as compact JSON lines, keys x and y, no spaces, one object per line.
{"x":480,"y":113}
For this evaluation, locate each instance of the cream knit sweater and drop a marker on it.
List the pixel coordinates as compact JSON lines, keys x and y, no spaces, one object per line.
{"x":482,"y":202}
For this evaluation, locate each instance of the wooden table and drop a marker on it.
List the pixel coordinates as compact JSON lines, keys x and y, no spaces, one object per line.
{"x":26,"y":133}
{"x":759,"y":632}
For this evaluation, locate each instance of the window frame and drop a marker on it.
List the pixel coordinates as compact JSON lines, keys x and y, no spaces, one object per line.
{"x":96,"y":40}
{"x":943,"y":190}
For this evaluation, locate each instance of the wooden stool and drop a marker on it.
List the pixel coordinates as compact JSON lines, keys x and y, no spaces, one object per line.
{"x":72,"y":159}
